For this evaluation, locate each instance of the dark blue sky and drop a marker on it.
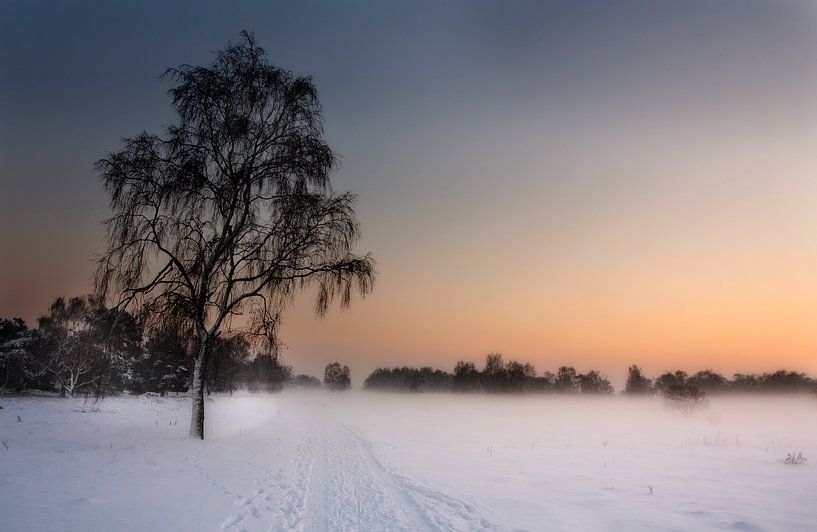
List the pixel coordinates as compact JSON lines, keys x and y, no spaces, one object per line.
{"x":478,"y":134}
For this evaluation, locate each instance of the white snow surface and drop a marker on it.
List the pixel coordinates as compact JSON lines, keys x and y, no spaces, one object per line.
{"x":317,"y":461}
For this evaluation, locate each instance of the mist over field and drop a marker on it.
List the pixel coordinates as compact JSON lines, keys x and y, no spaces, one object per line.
{"x":315,"y":460}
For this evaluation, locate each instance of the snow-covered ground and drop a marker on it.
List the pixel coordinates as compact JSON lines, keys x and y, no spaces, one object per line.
{"x":372,"y":461}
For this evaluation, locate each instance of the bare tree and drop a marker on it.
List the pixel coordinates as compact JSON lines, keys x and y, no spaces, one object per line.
{"x":637,"y":383}
{"x":85,"y":345}
{"x":337,"y":377}
{"x":231,"y":211}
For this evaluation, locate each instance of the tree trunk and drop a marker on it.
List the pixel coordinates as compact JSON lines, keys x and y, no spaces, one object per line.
{"x":197,"y":419}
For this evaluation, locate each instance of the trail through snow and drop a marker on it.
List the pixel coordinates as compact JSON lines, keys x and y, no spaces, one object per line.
{"x":334,"y":482}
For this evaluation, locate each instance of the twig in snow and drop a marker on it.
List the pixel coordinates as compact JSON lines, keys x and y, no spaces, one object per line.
{"x":6,"y":445}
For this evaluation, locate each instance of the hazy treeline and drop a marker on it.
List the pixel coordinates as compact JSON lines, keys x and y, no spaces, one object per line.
{"x":512,"y":376}
{"x":496,"y":376}
{"x":80,"y":346}
{"x":711,"y":382}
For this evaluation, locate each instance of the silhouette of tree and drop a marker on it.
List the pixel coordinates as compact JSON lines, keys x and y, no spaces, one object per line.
{"x":337,"y":377}
{"x":683,"y":396}
{"x":265,"y":372}
{"x":786,"y":381}
{"x":466,"y":377}
{"x":709,"y":381}
{"x":667,"y":380}
{"x":594,"y":382}
{"x":745,"y":382}
{"x":566,"y":380}
{"x":408,"y":379}
{"x":636,"y":382}
{"x":519,"y":377}
{"x":230,"y":212}
{"x":494,"y":375}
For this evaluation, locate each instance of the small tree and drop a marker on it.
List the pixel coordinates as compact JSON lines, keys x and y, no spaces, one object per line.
{"x":230,"y":212}
{"x":668,"y":380}
{"x":520,"y":376}
{"x":684,"y":397}
{"x":594,"y":382}
{"x":267,"y":373}
{"x":494,"y":373}
{"x":636,"y":382}
{"x":337,"y":377}
{"x":709,"y":381}
{"x":466,"y":377}
{"x":566,"y":380}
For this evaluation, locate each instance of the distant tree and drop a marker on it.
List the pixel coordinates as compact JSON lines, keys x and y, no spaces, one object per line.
{"x":786,"y":381}
{"x":265,"y":372}
{"x":230,"y":211}
{"x":709,"y":381}
{"x":337,"y":377}
{"x":416,"y":382}
{"x":466,"y":377}
{"x":668,"y":380}
{"x":566,"y":380}
{"x":306,"y":381}
{"x":408,"y":379}
{"x":494,"y":374}
{"x":684,"y":396}
{"x":745,"y":383}
{"x":594,"y":382}
{"x":637,"y":383}
{"x":546,"y":383}
{"x":519,"y":377}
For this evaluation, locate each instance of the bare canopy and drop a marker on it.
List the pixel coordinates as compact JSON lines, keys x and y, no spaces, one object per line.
{"x":231,"y":211}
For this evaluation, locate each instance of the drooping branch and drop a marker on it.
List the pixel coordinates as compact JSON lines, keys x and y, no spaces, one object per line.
{"x":230,"y":211}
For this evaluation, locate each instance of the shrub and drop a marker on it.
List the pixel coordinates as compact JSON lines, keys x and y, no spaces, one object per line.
{"x":685,"y":397}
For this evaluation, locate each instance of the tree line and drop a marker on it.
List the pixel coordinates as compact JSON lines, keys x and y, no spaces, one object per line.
{"x":82,"y":347}
{"x":498,"y":375}
{"x":710,"y":382}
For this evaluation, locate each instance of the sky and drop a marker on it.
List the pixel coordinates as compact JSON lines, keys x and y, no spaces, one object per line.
{"x":592,"y":184}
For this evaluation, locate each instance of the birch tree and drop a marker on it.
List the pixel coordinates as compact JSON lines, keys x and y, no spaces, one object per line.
{"x":229,"y":213}
{"x":86,"y":346}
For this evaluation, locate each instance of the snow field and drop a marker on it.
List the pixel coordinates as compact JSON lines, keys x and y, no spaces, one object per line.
{"x":316,"y":461}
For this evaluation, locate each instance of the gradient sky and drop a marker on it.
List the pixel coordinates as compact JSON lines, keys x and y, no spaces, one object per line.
{"x":593,"y":184}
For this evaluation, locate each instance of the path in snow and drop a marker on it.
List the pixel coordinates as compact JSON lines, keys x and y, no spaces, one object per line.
{"x":334,"y":482}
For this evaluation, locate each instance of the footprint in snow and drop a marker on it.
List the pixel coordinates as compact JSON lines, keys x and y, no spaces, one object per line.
{"x":231,"y":521}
